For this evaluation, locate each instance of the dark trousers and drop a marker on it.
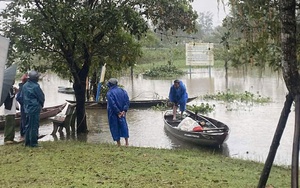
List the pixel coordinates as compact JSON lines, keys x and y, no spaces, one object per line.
{"x":9,"y":129}
{"x":32,"y":129}
{"x":22,"y":122}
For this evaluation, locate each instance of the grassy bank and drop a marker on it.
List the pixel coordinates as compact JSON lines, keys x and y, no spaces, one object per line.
{"x":179,"y":63}
{"x":77,"y":164}
{"x":162,"y":56}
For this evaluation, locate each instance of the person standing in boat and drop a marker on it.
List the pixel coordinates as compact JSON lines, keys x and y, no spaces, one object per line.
{"x":178,"y":96}
{"x":33,"y":101}
{"x":20,"y":100}
{"x":117,"y":106}
{"x":10,"y":107}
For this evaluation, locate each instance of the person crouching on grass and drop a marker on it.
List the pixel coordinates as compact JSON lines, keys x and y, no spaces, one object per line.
{"x":117,"y":106}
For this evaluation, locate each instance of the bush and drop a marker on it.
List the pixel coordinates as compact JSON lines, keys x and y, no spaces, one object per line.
{"x":164,"y":71}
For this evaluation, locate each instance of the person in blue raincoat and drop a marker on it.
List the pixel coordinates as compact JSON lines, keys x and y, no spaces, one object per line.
{"x":33,"y":101}
{"x":178,"y":96}
{"x":117,"y":106}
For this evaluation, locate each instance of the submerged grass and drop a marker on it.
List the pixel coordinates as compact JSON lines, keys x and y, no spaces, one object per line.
{"x":78,"y":164}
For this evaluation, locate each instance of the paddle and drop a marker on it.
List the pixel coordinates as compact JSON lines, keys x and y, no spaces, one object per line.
{"x":214,"y":130}
{"x":21,"y":141}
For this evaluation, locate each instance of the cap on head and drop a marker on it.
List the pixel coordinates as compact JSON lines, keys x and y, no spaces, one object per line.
{"x":33,"y":75}
{"x":176,"y":81}
{"x":112,"y":82}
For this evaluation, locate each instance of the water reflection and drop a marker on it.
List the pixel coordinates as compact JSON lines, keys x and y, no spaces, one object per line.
{"x":252,"y":126}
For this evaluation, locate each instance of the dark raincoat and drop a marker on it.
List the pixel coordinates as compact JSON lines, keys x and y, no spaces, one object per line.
{"x":117,"y":101}
{"x":179,"y":96}
{"x":23,"y":115}
{"x":33,"y":101}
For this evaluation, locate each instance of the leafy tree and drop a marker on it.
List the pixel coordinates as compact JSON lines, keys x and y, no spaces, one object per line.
{"x":74,"y":36}
{"x":270,"y":28}
{"x":254,"y":33}
{"x":205,"y":23}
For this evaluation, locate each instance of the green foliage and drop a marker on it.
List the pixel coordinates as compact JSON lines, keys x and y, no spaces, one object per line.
{"x":74,"y":37}
{"x":164,"y":71}
{"x":157,"y":58}
{"x":73,"y":34}
{"x":245,"y":97}
{"x":104,"y":90}
{"x":253,"y":34}
{"x":151,"y":55}
{"x":202,"y":108}
{"x":161,"y":107}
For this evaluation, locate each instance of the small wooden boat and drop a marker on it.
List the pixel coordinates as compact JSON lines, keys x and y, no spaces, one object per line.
{"x":211,"y":132}
{"x":45,"y":113}
{"x":133,"y":103}
{"x":67,"y":90}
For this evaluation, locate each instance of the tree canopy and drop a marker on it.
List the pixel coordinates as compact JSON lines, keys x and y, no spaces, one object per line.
{"x":253,"y":33}
{"x":72,"y":36}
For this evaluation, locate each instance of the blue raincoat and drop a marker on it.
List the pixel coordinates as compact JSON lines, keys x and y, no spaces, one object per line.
{"x":33,"y":101}
{"x":179,"y":96}
{"x":117,"y":101}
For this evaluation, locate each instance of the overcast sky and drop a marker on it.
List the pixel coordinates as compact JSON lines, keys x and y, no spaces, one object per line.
{"x":211,"y":6}
{"x":198,"y":5}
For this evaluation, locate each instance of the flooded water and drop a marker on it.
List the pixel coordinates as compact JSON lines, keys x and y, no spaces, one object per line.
{"x":252,"y":126}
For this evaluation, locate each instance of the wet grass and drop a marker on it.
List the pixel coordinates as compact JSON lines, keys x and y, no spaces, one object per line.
{"x":78,"y":164}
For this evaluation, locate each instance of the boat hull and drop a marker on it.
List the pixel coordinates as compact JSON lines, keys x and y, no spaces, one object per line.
{"x":66,"y":90}
{"x":45,"y":113}
{"x":133,"y":103}
{"x":213,"y":137}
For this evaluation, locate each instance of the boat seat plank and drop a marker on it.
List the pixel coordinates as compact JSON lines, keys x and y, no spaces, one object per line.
{"x":66,"y":120}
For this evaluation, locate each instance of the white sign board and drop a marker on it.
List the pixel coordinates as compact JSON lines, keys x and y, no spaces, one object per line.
{"x":4,"y":44}
{"x":199,"y":54}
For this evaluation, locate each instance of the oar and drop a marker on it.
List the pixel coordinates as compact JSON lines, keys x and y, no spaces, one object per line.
{"x":93,"y":104}
{"x":214,"y":130}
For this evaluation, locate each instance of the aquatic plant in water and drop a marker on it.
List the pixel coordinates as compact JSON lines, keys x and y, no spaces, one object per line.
{"x":246,"y":97}
{"x":202,"y":108}
{"x":162,"y":107}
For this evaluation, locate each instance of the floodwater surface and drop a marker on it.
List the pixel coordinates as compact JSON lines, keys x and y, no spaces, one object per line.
{"x":252,"y":125}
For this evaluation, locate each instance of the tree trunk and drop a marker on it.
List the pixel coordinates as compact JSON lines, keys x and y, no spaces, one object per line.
{"x":295,"y":153}
{"x":289,"y":47}
{"x":79,"y":90}
{"x":290,"y":70}
{"x":226,"y":73}
{"x":79,"y":87}
{"x":276,"y":141}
